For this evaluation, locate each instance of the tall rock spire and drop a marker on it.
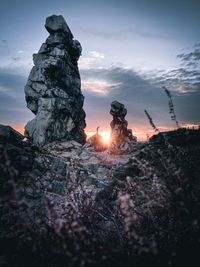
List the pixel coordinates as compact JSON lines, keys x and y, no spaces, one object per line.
{"x":122,"y":139}
{"x":53,"y":90}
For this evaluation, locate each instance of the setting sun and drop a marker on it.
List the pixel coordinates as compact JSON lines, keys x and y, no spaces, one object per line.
{"x":106,"y":137}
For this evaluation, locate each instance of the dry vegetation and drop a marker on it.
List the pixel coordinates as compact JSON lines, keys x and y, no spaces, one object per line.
{"x":147,"y":215}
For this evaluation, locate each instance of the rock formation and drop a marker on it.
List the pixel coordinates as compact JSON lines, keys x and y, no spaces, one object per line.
{"x":53,"y":91}
{"x":97,"y":142}
{"x":121,"y":137}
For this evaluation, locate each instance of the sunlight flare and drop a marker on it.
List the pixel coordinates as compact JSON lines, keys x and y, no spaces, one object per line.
{"x":106,"y":137}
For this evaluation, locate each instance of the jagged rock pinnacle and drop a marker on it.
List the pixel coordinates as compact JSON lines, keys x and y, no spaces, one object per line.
{"x":53,"y":91}
{"x":122,"y":139}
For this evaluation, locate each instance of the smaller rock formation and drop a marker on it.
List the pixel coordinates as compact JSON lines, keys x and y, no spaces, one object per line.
{"x":122,"y":139}
{"x":53,"y":90}
{"x":97,"y":142}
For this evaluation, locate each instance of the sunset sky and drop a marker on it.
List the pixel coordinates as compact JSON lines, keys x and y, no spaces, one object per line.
{"x":130,"y":50}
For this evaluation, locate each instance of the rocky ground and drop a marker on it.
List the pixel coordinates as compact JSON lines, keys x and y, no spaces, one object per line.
{"x":67,"y":205}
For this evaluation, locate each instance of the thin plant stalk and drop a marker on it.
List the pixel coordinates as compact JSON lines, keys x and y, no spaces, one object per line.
{"x":151,"y":121}
{"x":171,"y":107}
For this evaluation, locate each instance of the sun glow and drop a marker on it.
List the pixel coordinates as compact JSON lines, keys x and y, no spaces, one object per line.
{"x":106,"y":137}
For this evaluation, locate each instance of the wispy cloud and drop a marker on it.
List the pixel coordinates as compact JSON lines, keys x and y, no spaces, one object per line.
{"x":98,"y":86}
{"x":20,"y":51}
{"x":14,"y":61}
{"x":139,"y":91}
{"x":93,"y":60}
{"x":192,"y":58}
{"x":183,"y":80}
{"x":96,"y":54}
{"x":20,"y":65}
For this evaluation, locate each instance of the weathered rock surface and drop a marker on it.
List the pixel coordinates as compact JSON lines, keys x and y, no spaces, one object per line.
{"x":122,"y":139}
{"x":53,"y":90}
{"x":105,"y":204}
{"x":16,"y":157}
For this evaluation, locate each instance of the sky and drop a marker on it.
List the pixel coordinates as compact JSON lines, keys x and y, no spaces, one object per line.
{"x":131,"y":49}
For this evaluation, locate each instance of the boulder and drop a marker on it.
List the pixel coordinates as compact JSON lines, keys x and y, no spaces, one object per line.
{"x":57,"y":24}
{"x":97,"y":142}
{"x":53,"y":90}
{"x":8,"y":134}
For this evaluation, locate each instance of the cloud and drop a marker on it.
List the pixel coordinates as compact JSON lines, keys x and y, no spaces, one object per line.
{"x":125,"y":84}
{"x":20,"y":51}
{"x":191,"y":59}
{"x":129,"y":88}
{"x":16,"y":65}
{"x":98,"y":86}
{"x":101,"y":86}
{"x":14,"y":61}
{"x":178,"y":80}
{"x":138,"y":92}
{"x":183,"y":80}
{"x":93,"y":60}
{"x":96,"y":54}
{"x":85,"y":62}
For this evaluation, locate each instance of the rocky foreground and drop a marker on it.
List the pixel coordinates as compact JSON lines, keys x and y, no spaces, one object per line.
{"x":67,"y":205}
